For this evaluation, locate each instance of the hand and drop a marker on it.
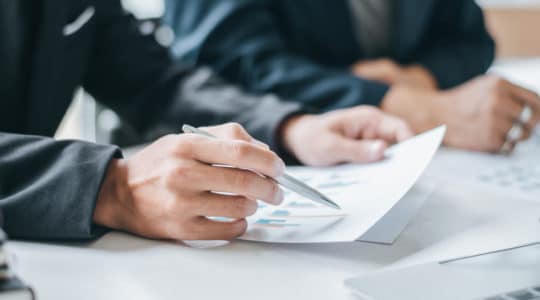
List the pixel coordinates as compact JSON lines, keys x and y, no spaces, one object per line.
{"x":359,"y":134}
{"x":167,"y":190}
{"x":482,"y":112}
{"x":391,"y":73}
{"x":479,"y":113}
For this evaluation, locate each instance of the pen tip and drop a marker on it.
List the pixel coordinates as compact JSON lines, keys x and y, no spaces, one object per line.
{"x":332,"y":204}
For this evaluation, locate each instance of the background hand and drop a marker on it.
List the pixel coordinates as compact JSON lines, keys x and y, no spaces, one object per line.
{"x":359,"y":134}
{"x":167,"y":190}
{"x":479,"y":113}
{"x":391,"y":73}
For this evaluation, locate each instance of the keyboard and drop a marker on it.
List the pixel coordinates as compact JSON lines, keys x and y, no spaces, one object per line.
{"x":532,"y":293}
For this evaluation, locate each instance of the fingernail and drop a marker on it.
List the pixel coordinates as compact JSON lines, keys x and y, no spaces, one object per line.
{"x":280,"y":196}
{"x":280,"y":167}
{"x":376,"y":149}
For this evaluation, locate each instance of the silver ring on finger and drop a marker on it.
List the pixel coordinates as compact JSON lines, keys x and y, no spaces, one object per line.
{"x":526,"y":115}
{"x":507,"y":147}
{"x":515,"y":133}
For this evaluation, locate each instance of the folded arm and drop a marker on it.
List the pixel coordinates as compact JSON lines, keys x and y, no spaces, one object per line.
{"x":458,"y":46}
{"x":241,"y":41}
{"x":134,"y":75}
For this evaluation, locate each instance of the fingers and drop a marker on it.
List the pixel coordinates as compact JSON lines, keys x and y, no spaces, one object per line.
{"x":527,"y":97}
{"x":216,"y":205}
{"x":392,"y":129}
{"x":239,"y":154}
{"x":524,"y":98}
{"x":502,"y":133}
{"x":501,"y":129}
{"x":239,"y":182}
{"x":509,"y":108}
{"x":375,"y":125}
{"x":206,"y":229}
{"x":231,"y":131}
{"x":234,"y":131}
{"x":358,"y":151}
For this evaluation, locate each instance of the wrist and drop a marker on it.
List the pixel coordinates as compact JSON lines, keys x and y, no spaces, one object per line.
{"x":108,"y":210}
{"x":419,"y":107}
{"x":288,"y":132}
{"x":420,"y":77}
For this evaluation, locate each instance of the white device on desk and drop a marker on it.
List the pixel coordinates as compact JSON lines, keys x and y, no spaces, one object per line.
{"x":515,"y":176}
{"x":506,"y":275}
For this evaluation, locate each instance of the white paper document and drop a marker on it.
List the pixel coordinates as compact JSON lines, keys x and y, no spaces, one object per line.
{"x":516,"y":175}
{"x":389,"y":227}
{"x":365,"y":192}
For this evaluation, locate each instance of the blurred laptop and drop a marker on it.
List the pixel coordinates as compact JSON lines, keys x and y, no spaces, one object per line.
{"x":505,"y":275}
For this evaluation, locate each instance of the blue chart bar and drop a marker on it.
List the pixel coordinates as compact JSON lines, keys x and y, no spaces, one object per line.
{"x":277,"y":223}
{"x":281,"y":213}
{"x":301,"y":204}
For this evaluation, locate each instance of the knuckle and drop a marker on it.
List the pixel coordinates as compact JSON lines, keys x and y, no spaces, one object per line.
{"x":244,"y":206}
{"x":237,"y":128}
{"x":245,"y":180}
{"x":498,"y":82}
{"x":183,"y":146}
{"x":240,"y":149}
{"x":176,"y":174}
{"x":236,"y":131}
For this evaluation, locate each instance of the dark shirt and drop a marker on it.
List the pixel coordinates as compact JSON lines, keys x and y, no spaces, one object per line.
{"x":18,"y":25}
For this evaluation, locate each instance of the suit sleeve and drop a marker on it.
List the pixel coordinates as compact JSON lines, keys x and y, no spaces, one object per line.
{"x":137,"y":77}
{"x":48,"y":188}
{"x":241,"y":41}
{"x":458,"y":46}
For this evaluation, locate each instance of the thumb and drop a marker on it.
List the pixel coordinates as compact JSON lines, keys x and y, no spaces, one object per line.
{"x":358,"y":151}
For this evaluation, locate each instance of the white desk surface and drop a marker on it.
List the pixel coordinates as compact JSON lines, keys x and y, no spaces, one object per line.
{"x":121,"y":266}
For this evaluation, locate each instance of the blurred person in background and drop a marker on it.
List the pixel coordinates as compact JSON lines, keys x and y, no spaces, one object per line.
{"x":65,"y":190}
{"x":420,"y":60}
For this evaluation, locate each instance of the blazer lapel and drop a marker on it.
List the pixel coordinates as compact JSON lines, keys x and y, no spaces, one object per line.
{"x":410,"y":17}
{"x":44,"y":109}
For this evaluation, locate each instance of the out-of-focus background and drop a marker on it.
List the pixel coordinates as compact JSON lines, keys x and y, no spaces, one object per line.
{"x":515,"y":25}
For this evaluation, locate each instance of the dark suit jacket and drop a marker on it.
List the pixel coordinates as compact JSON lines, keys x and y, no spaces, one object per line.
{"x":302,"y":49}
{"x":48,"y":188}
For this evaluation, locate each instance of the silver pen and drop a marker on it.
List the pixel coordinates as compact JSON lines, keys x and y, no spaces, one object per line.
{"x":286,"y":180}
